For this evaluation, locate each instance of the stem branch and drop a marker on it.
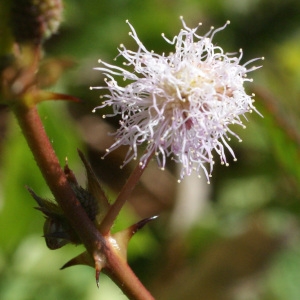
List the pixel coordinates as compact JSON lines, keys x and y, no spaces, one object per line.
{"x":122,"y":197}
{"x":55,"y":178}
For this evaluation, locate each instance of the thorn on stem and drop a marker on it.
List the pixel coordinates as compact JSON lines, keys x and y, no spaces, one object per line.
{"x":136,"y":227}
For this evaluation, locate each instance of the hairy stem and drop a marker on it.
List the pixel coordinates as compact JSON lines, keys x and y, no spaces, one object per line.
{"x":54,"y":176}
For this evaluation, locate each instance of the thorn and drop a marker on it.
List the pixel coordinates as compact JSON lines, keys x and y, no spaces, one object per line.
{"x":98,"y":267}
{"x":97,"y":277}
{"x":82,"y":259}
{"x":41,"y":96}
{"x":136,"y":227}
{"x":86,"y":259}
{"x":58,"y":96}
{"x":70,"y":174}
{"x":122,"y":238}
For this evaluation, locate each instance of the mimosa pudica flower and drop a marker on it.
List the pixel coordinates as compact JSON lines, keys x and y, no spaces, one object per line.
{"x":180,"y":105}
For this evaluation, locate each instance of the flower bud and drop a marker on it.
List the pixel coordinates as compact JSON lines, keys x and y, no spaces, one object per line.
{"x":33,"y":21}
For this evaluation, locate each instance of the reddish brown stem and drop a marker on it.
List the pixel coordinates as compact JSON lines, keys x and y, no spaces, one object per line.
{"x":119,"y":271}
{"x":94,"y":242}
{"x":122,"y":197}
{"x":54,"y":176}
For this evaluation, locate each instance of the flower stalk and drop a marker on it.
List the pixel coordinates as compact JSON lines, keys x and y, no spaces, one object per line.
{"x":116,"y":207}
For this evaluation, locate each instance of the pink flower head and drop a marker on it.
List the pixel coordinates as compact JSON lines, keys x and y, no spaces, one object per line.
{"x":179,"y":105}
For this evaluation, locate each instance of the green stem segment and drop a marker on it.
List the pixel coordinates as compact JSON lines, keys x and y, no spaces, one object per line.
{"x":94,"y":242}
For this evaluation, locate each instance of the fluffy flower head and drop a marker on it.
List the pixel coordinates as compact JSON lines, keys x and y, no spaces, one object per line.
{"x":179,"y":105}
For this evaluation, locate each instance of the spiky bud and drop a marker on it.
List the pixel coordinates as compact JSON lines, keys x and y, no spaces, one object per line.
{"x":33,"y":21}
{"x":57,"y":230}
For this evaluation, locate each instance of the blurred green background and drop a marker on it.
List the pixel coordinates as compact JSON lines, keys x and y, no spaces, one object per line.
{"x":237,"y":238}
